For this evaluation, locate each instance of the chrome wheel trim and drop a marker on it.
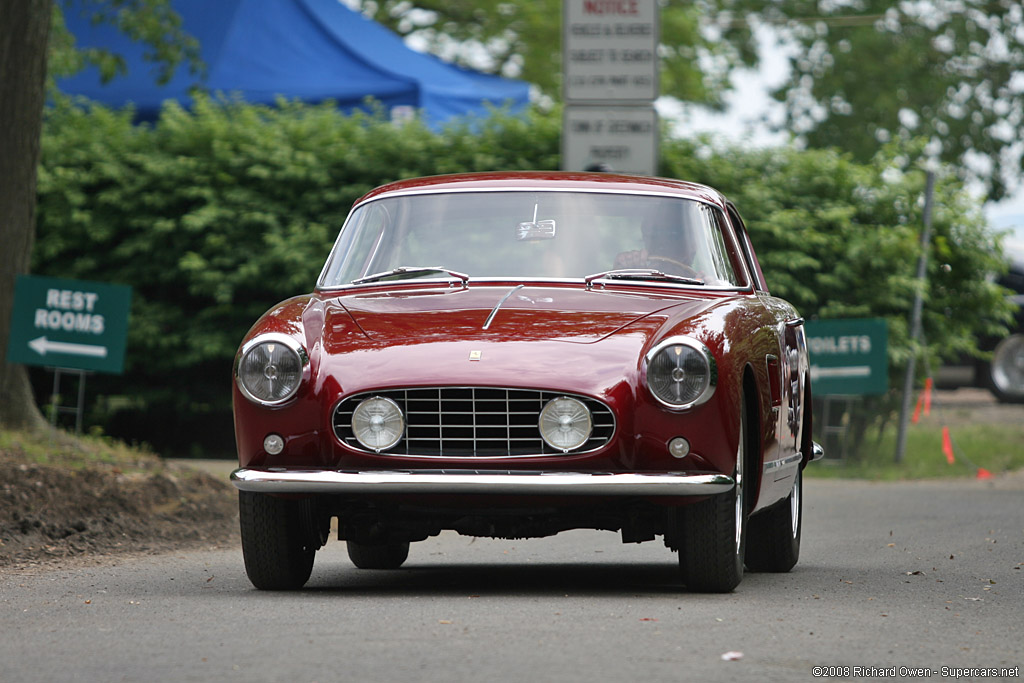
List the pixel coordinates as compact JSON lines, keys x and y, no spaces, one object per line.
{"x":794,"y":505}
{"x":739,"y":485}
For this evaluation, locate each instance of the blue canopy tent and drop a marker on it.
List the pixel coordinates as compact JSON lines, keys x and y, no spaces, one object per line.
{"x":312,"y":50}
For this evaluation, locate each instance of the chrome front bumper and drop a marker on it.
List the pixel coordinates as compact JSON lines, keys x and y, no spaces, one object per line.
{"x":493,"y":483}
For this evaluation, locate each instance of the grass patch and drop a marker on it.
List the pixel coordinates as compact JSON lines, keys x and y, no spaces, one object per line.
{"x":997,"y":448}
{"x":60,"y":449}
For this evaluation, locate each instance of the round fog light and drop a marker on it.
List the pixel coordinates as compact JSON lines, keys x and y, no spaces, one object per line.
{"x":378,"y":423}
{"x":565,"y":423}
{"x":679,"y":447}
{"x":273,"y":444}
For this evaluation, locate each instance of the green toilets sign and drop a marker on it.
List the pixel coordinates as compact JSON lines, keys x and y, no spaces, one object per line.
{"x":849,"y":356}
{"x":69,"y":324}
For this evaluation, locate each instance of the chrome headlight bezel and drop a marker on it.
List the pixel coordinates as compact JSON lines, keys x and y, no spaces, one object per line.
{"x":695,"y":350}
{"x":299,"y":355}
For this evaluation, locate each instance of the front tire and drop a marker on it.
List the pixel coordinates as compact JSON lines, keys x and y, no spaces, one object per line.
{"x":278,"y":540}
{"x":714,"y":532}
{"x":773,"y":543}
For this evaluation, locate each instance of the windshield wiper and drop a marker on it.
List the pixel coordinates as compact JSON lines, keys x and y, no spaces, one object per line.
{"x":641,"y":274}
{"x":413,"y":271}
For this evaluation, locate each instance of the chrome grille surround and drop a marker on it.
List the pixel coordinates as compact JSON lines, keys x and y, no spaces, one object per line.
{"x":472,"y":422}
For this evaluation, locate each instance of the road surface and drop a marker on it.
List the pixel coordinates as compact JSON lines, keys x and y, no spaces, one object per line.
{"x":915,"y":575}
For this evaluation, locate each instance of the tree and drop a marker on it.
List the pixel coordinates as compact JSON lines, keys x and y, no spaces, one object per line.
{"x":25,"y":42}
{"x":945,"y":70}
{"x":24,"y":34}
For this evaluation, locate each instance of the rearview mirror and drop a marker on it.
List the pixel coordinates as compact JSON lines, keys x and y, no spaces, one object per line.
{"x":531,"y":231}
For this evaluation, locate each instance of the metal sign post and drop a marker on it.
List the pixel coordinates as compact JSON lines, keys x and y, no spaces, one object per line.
{"x":915,"y":316}
{"x":55,"y":405}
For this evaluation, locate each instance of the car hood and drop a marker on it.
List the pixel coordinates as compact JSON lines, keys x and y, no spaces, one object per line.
{"x":509,"y":313}
{"x":564,"y":338}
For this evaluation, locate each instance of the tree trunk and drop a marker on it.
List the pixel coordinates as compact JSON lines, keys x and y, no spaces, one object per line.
{"x":24,"y":37}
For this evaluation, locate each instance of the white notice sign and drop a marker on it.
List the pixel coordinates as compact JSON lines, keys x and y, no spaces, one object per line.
{"x":623,"y":138}
{"x":610,"y":50}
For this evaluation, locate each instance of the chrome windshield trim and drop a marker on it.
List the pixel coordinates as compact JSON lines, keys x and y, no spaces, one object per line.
{"x":497,"y":483}
{"x":605,"y":285}
{"x":704,"y":195}
{"x":494,"y":311}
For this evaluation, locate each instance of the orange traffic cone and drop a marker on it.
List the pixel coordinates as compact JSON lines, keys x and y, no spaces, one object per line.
{"x":947,"y":445}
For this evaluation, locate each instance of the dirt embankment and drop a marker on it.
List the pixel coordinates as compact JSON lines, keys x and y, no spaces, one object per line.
{"x":53,"y":513}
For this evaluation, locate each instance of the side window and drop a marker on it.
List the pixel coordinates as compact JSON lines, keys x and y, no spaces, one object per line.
{"x":748,"y":249}
{"x":719,"y":251}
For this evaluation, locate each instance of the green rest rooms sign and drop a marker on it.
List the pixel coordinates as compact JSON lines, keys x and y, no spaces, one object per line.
{"x":69,"y":324}
{"x":848,"y":357}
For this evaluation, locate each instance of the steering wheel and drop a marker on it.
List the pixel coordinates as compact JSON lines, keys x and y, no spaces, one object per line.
{"x":687,"y":271}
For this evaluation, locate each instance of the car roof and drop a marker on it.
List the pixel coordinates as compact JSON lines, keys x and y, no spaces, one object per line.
{"x":548,"y":181}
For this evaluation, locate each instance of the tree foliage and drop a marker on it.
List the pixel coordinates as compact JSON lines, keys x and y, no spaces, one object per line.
{"x":154,"y":23}
{"x":862,"y":74}
{"x":213,"y":216}
{"x":840,"y":239}
{"x":945,"y":70}
{"x":523,"y":40}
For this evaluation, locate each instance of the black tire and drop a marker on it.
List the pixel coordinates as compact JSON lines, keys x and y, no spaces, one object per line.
{"x":773,"y":536}
{"x":1005,"y":372}
{"x":383,"y":556}
{"x":278,"y":540}
{"x":714,"y":531}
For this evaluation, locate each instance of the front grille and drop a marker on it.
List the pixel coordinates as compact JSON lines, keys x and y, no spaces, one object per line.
{"x":473,"y":422}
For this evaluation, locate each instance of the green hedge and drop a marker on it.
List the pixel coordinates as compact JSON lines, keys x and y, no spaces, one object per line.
{"x":213,"y":215}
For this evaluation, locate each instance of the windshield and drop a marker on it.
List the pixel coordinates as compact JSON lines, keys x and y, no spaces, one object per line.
{"x":533,"y":235}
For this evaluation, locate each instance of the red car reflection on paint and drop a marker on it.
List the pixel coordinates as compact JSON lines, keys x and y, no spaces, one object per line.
{"x":514,"y":355}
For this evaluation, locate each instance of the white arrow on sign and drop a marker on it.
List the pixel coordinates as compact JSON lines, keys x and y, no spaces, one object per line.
{"x":849,"y":371}
{"x":42,"y":346}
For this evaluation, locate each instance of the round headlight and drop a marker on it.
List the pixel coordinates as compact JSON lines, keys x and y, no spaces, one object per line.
{"x":565,"y":423}
{"x":270,"y":369}
{"x":681,"y":373}
{"x":378,"y":423}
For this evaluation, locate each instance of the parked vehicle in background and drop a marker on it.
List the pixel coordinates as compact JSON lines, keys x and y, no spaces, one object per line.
{"x":513,"y":355}
{"x":1003,"y":372}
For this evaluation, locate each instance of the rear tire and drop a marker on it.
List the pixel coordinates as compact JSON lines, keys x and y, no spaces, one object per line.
{"x":714,"y":532}
{"x":384,"y":556}
{"x":279,"y":540}
{"x":773,"y":541}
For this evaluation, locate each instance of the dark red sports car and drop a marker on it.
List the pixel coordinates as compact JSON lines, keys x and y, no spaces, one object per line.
{"x":517,"y":354}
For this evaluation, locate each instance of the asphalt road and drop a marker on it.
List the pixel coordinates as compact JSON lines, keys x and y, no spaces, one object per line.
{"x":907,"y":575}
